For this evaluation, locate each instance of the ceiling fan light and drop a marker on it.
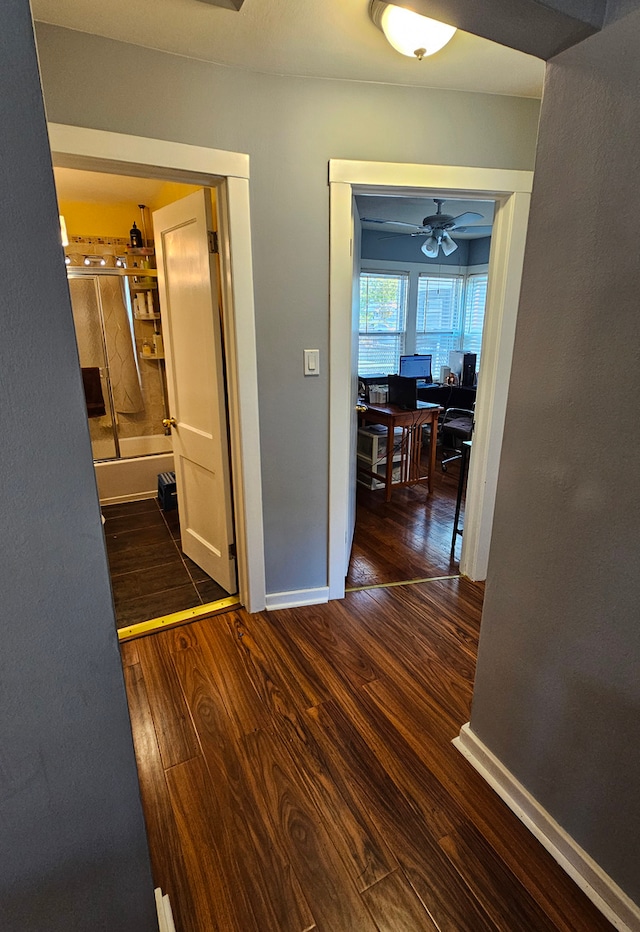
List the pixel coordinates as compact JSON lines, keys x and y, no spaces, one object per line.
{"x":448,"y":245}
{"x":411,"y":33}
{"x":430,"y":247}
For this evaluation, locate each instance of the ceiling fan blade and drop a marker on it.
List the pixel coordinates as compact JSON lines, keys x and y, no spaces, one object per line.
{"x":467,"y":217}
{"x":395,"y":223}
{"x":481,"y":231}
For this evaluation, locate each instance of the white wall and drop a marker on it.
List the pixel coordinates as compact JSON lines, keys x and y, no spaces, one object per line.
{"x":290,"y":127}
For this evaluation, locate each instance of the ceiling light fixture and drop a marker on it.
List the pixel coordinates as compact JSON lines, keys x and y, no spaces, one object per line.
{"x":410,"y":33}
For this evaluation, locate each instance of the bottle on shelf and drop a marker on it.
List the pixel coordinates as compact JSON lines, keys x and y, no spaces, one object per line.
{"x":147,"y":349}
{"x":135,"y":237}
{"x":158,"y":346}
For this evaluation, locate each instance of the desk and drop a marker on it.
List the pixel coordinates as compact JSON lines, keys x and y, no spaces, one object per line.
{"x":411,"y":422}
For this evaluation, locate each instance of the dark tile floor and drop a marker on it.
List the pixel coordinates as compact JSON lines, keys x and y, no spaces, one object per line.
{"x":150,"y":575}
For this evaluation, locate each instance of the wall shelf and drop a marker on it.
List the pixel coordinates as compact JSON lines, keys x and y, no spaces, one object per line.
{"x":140,"y":251}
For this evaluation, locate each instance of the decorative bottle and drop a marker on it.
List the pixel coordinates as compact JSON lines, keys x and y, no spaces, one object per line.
{"x":135,"y":237}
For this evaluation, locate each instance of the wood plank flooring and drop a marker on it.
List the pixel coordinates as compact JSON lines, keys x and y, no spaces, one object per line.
{"x":297,"y":773}
{"x":408,"y":537}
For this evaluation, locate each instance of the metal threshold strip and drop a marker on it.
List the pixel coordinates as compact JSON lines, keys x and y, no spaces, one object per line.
{"x":403,"y":582}
{"x":178,"y":618}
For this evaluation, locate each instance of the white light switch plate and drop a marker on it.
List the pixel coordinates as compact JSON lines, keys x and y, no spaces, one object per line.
{"x":312,"y":362}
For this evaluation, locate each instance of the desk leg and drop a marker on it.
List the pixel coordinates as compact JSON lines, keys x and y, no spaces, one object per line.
{"x":433,"y":443}
{"x":389,"y":469}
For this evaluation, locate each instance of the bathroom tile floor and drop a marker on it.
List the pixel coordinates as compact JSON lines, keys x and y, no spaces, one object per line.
{"x":150,"y":576}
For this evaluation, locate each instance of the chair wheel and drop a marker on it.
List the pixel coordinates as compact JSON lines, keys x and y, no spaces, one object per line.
{"x":444,"y":468}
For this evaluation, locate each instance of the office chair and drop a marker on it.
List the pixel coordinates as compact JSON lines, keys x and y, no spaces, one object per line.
{"x":456,"y":425}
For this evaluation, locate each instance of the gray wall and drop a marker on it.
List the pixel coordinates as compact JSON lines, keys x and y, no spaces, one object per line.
{"x":73,"y":853}
{"x":557,"y":694}
{"x":378,"y":245}
{"x":291,"y":127}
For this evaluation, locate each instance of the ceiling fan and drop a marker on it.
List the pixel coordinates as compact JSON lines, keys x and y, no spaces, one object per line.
{"x":436,"y":228}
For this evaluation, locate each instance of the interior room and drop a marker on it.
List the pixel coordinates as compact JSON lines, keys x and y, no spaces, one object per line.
{"x":118,"y":316}
{"x":430,"y":303}
{"x":433,"y":756}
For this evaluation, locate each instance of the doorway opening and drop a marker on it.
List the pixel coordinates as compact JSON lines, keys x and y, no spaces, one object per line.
{"x":510,"y":190}
{"x":421,"y":312}
{"x":120,"y":302}
{"x":226,"y":173}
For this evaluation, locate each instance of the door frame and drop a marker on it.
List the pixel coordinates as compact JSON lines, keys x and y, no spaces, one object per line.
{"x":228,"y":173}
{"x":511,"y":190}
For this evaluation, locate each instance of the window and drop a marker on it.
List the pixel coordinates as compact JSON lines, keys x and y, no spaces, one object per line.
{"x":446,"y":313}
{"x":383,"y":314}
{"x":439,"y":317}
{"x":474,"y":303}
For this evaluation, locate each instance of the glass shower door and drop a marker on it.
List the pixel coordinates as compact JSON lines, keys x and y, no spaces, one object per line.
{"x":89,"y":326}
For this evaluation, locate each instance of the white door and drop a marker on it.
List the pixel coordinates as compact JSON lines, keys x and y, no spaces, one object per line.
{"x":188,"y":288}
{"x":356,"y":241}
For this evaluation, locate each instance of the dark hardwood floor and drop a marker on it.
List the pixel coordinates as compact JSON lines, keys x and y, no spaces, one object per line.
{"x":297,"y":773}
{"x":408,"y":537}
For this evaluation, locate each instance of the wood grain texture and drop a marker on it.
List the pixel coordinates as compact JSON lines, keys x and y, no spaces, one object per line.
{"x":395,"y":906}
{"x":324,"y":792}
{"x":177,"y":739}
{"x":406,"y":538}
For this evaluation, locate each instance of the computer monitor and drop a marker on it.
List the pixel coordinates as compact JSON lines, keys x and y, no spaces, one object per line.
{"x":417,"y":366}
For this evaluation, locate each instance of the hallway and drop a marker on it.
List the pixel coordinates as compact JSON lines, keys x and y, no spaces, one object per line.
{"x":297,"y":773}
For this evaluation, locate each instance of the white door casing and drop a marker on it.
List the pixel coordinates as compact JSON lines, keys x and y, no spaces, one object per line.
{"x":188,"y":289}
{"x":228,"y":172}
{"x":356,"y":240}
{"x":511,"y":190}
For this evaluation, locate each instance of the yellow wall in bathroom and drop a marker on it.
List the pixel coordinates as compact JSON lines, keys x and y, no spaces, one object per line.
{"x":116,"y":219}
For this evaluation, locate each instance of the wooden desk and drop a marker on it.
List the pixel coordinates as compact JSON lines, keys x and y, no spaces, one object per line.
{"x":411,"y":422}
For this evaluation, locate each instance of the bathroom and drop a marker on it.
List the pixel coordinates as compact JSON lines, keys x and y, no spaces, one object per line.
{"x":113,"y":284}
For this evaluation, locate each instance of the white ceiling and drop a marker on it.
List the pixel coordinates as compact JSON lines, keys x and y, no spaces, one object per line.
{"x":329,"y":39}
{"x":87,"y":187}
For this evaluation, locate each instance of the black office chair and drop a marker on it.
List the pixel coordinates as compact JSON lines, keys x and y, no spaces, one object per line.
{"x":456,"y":425}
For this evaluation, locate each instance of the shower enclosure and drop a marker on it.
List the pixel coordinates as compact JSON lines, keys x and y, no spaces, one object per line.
{"x":120,"y":350}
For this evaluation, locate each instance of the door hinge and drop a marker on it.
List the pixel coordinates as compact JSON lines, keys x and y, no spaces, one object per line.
{"x":213,"y":241}
{"x":232,"y":551}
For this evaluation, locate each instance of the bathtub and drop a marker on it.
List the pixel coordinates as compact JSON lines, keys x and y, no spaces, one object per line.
{"x":136,"y":475}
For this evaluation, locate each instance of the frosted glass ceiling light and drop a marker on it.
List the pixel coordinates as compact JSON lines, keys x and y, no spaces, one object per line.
{"x":448,"y":245}
{"x":410,"y":33}
{"x":430,"y":247}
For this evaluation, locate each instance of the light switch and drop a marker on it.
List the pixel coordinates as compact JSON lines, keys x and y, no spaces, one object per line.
{"x":312,"y":362}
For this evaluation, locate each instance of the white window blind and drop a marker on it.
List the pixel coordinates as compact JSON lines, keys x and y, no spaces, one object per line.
{"x":474,"y":307}
{"x":439,"y":317}
{"x":383,"y":314}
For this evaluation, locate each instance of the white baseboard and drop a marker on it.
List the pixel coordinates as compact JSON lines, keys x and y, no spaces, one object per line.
{"x":296,"y":598}
{"x":134,"y":497}
{"x":613,"y":902}
{"x":165,"y":916}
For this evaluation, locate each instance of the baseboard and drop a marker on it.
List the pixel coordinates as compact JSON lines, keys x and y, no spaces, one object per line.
{"x":134,"y":497}
{"x":296,"y":597}
{"x":607,"y":896}
{"x":165,"y":916}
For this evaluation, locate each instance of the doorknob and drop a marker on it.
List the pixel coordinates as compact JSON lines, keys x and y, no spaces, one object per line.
{"x":361,"y":409}
{"x":168,"y":423}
